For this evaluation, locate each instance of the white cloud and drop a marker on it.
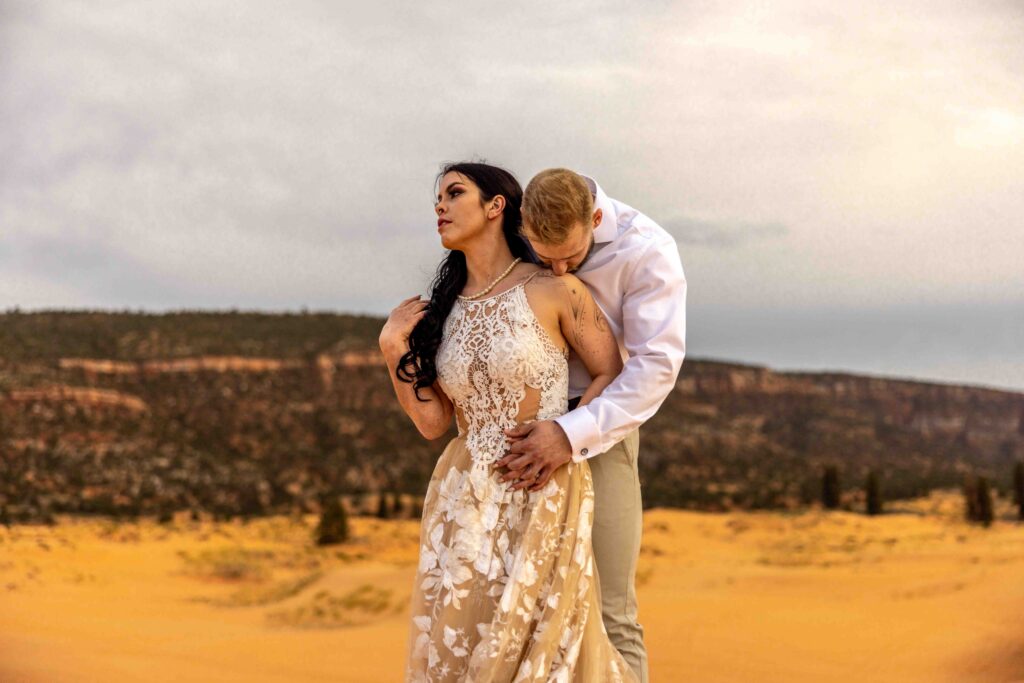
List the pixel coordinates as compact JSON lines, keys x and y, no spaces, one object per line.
{"x":248,"y":153}
{"x":993,"y":129}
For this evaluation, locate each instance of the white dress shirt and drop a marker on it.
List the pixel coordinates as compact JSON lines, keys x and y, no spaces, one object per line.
{"x":635,"y":274}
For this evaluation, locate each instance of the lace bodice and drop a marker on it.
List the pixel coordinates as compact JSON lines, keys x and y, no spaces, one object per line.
{"x":491,"y":350}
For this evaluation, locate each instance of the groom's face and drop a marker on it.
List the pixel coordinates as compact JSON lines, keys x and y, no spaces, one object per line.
{"x":568,"y":256}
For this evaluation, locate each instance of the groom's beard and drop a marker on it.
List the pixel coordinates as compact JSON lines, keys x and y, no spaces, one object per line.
{"x":590,"y":250}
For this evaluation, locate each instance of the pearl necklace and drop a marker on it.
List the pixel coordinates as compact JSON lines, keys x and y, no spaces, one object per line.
{"x":491,"y":286}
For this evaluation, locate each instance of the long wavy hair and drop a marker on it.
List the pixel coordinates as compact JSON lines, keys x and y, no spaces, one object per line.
{"x":417,"y":365}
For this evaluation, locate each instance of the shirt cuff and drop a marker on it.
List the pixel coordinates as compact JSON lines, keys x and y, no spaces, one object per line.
{"x":583,"y":433}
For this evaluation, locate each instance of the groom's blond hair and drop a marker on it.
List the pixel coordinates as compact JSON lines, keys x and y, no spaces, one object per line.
{"x":553,"y":202}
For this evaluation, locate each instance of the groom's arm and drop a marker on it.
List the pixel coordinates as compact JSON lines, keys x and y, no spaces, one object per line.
{"x":654,"y":334}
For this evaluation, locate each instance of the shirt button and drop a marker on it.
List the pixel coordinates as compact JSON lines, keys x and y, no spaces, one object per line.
{"x":584,"y":451}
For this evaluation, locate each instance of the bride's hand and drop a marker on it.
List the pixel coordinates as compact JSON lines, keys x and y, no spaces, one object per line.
{"x":400,"y":323}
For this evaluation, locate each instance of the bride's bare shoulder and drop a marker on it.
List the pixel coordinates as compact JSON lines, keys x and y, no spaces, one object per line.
{"x":555,"y":291}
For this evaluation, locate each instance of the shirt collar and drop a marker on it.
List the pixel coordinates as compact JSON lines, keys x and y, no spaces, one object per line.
{"x":607,"y":229}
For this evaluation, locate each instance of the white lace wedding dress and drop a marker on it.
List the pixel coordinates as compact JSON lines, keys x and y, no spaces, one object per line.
{"x":506,"y":588}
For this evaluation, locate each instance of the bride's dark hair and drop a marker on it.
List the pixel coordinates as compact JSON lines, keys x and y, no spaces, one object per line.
{"x":417,"y":365}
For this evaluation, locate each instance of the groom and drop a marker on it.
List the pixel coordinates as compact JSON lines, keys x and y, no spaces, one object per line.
{"x":632,"y":267}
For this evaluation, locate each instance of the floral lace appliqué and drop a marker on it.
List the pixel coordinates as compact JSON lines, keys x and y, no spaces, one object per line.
{"x":491,"y":350}
{"x":505,"y":590}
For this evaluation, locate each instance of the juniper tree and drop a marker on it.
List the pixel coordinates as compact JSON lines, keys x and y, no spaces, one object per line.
{"x":333,"y":526}
{"x":397,"y":507}
{"x":970,"y":490}
{"x":985,"y":514}
{"x":165,"y":514}
{"x":830,"y":487}
{"x":1018,"y":487}
{"x":873,"y":493}
{"x":384,"y":508}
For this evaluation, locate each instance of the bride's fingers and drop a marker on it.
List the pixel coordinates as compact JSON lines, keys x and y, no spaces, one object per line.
{"x":527,"y":479}
{"x":503,"y":462}
{"x":414,"y":309}
{"x":520,"y":430}
{"x":405,"y":303}
{"x":409,"y":313}
{"x":513,"y":473}
{"x":518,"y":447}
{"x":542,"y":478}
{"x":517,"y":467}
{"x":415,"y":301}
{"x":513,"y":455}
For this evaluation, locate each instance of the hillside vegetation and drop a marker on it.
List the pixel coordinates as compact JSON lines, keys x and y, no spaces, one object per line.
{"x":240,"y":413}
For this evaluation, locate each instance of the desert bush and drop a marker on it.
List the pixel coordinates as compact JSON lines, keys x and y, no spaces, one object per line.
{"x":830,"y":487}
{"x":873,"y":493}
{"x":229,"y":563}
{"x":1018,"y":487}
{"x":259,"y":595}
{"x":970,"y":490}
{"x":985,"y":513}
{"x":385,"y":509}
{"x":978,"y":500}
{"x":166,"y":515}
{"x":333,"y":526}
{"x":359,"y":606}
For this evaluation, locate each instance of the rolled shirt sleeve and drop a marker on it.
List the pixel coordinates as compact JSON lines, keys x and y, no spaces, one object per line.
{"x":654,"y":336}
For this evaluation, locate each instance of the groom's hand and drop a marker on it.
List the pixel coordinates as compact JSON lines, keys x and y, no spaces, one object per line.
{"x":538,"y":450}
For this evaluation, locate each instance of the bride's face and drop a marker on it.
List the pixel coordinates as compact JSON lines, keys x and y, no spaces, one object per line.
{"x":461,"y":215}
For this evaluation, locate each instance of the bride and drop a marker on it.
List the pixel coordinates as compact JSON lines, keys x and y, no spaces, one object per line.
{"x":506,"y":588}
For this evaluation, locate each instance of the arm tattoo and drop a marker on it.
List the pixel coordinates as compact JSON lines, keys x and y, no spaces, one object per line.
{"x":578,"y":301}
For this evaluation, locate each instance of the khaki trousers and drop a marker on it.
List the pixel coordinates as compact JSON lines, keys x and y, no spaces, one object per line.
{"x":618,"y":524}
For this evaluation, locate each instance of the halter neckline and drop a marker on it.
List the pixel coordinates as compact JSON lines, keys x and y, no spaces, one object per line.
{"x":495,"y":296}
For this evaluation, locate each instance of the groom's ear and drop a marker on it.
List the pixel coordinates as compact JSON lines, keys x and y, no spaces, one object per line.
{"x":597,"y":218}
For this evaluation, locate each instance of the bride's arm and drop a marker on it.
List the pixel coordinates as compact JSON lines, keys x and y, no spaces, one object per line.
{"x":568,"y":310}
{"x":433,"y":415}
{"x":587,"y":331}
{"x":584,"y":328}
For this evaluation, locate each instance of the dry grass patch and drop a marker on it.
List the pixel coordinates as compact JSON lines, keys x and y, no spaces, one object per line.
{"x":229,"y":563}
{"x":362,"y":605}
{"x":257,"y":596}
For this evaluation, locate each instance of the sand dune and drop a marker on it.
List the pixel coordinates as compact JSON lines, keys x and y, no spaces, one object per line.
{"x":916,"y":595}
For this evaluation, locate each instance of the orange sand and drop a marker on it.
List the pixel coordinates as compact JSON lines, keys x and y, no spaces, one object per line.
{"x":916,"y":595}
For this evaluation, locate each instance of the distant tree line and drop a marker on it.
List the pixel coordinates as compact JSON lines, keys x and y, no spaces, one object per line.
{"x":241,"y":444}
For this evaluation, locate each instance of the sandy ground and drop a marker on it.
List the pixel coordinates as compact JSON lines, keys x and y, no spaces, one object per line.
{"x":915,"y":595}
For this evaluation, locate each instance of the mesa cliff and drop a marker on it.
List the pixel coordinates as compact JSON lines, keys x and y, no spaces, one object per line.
{"x":251,"y":413}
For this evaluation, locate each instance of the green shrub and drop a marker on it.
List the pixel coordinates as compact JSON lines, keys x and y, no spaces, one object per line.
{"x":1018,"y":487}
{"x":333,"y":526}
{"x":830,"y":488}
{"x":873,"y":493}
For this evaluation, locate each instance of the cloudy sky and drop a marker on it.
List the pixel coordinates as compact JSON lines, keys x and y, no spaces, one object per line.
{"x":844,"y":182}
